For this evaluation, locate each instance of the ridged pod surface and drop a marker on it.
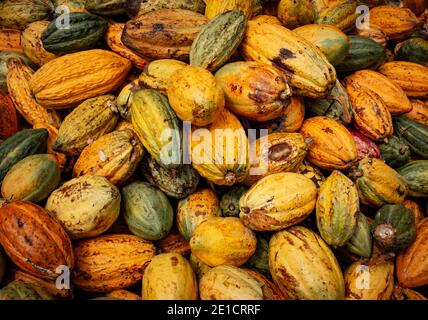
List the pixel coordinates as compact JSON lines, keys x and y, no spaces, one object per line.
{"x":410,"y":76}
{"x":18,"y":290}
{"x":278,"y":201}
{"x":333,"y":146}
{"x":414,"y":134}
{"x":20,"y":145}
{"x":377,"y":183}
{"x":215,"y":7}
{"x":68,"y":80}
{"x":369,"y":282}
{"x":321,"y":278}
{"x":18,"y":14}
{"x":332,"y":41}
{"x":110,"y":262}
{"x":221,"y":157}
{"x":337,"y":208}
{"x":341,"y":14}
{"x":31,"y":43}
{"x":308,"y":70}
{"x":416,"y":175}
{"x":114,"y":156}
{"x":276,"y":152}
{"x":294,"y":14}
{"x":221,"y":240}
{"x":113,"y":39}
{"x":169,"y":276}
{"x":157,"y":73}
{"x":254,"y":90}
{"x":229,"y":283}
{"x":164,"y":33}
{"x":176,"y":182}
{"x":157,"y":126}
{"x":83,"y":32}
{"x":19,"y":76}
{"x":147,"y":211}
{"x":419,"y":112}
{"x":10,"y":40}
{"x":196,"y":209}
{"x":392,"y":95}
{"x":32,"y":179}
{"x":397,"y":23}
{"x":218,"y":40}
{"x":371,"y":115}
{"x":361,"y":241}
{"x":86,"y":123}
{"x":85,"y":206}
{"x":412,"y":265}
{"x":195,"y":95}
{"x":8,"y":117}
{"x":34,"y":241}
{"x":138,"y":8}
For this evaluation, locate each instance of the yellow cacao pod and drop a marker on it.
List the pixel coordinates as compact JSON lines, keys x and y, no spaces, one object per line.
{"x":114,"y":156}
{"x":86,"y":123}
{"x":300,"y":255}
{"x":308,"y":70}
{"x":397,"y":23}
{"x":254,"y":90}
{"x":276,"y":152}
{"x":220,"y":152}
{"x":193,"y":210}
{"x":215,"y":7}
{"x":68,"y":80}
{"x":369,"y":282}
{"x":410,"y":76}
{"x":195,"y":95}
{"x":32,"y":45}
{"x":278,"y":201}
{"x":86,"y":206}
{"x":391,"y":94}
{"x":371,"y":115}
{"x":337,"y":208}
{"x":169,"y":276}
{"x":419,"y":112}
{"x":110,"y":262}
{"x":221,"y":240}
{"x":333,"y":146}
{"x":157,"y":73}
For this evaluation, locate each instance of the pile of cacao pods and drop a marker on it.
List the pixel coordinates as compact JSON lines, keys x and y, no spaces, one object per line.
{"x":216,"y":149}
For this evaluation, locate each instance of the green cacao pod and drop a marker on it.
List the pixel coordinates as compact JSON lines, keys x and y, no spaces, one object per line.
{"x":394,"y":152}
{"x":414,"y":134}
{"x":363,"y":53}
{"x":175,"y":182}
{"x":260,"y":259}
{"x":301,"y":255}
{"x":393,"y":227}
{"x":341,"y":14}
{"x":218,"y":40}
{"x":416,"y":175}
{"x":105,"y":7}
{"x":196,"y":209}
{"x":329,"y":39}
{"x":17,"y":290}
{"x":147,"y":211}
{"x":33,"y":178}
{"x":229,"y":202}
{"x":157,"y":127}
{"x":413,"y":50}
{"x":337,"y":208}
{"x":336,"y":106}
{"x":83,"y":33}
{"x":4,"y":56}
{"x":378,"y":183}
{"x":17,"y":14}
{"x":85,"y":206}
{"x":137,"y":8}
{"x":22,"y":144}
{"x":361,"y":241}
